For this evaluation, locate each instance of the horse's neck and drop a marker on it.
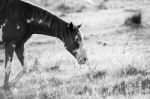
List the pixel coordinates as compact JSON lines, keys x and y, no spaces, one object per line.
{"x":53,"y":26}
{"x":43,"y":22}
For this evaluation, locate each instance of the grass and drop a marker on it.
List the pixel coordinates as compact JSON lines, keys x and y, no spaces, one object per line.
{"x":48,"y":82}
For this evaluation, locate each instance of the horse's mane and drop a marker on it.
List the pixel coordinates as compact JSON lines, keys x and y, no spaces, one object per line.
{"x":56,"y":24}
{"x":40,"y":13}
{"x":29,"y":10}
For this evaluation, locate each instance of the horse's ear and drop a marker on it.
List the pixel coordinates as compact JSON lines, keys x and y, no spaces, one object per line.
{"x":79,"y":26}
{"x":71,"y":27}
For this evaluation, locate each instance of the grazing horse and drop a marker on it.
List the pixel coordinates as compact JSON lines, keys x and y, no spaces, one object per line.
{"x":20,"y":19}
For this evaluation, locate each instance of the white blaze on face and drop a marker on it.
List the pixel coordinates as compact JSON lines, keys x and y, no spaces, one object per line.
{"x":1,"y":30}
{"x":80,"y":51}
{"x":82,"y":37}
{"x":81,"y":55}
{"x":81,"y":34}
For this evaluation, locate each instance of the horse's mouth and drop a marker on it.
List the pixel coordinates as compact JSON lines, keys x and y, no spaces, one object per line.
{"x":81,"y":56}
{"x":82,"y":60}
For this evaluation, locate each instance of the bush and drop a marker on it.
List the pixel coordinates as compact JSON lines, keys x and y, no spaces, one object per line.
{"x":134,"y":20}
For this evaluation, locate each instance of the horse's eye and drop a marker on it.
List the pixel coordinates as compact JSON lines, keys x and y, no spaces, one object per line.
{"x":77,"y":39}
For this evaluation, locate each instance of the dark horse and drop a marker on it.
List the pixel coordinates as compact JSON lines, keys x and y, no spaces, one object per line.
{"x":20,"y":19}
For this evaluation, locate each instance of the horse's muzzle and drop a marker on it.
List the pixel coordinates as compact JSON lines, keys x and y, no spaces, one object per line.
{"x":82,"y":60}
{"x":81,"y":56}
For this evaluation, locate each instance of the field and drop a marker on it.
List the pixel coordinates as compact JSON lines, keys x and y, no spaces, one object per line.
{"x":119,"y":55}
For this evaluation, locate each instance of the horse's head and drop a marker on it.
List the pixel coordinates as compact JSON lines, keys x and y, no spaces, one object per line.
{"x":73,"y":43}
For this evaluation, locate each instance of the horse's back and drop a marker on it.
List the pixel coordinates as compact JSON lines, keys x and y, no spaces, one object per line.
{"x":12,"y":23}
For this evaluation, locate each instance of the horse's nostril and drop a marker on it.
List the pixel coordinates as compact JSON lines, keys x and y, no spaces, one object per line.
{"x":85,"y":59}
{"x":82,"y":60}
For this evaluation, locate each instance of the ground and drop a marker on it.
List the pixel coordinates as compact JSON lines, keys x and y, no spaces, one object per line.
{"x":118,"y":65}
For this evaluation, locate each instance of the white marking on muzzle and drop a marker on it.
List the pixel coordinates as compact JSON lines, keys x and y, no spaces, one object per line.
{"x":80,"y":52}
{"x":81,"y":55}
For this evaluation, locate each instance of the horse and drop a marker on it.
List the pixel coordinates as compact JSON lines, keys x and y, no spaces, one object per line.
{"x":19,"y":20}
